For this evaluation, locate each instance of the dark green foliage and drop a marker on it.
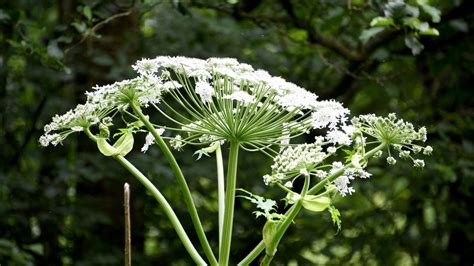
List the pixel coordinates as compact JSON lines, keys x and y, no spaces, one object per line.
{"x":63,"y":205}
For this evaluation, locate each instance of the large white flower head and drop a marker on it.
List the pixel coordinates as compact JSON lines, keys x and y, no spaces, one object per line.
{"x":232,"y":101}
{"x":218,"y":99}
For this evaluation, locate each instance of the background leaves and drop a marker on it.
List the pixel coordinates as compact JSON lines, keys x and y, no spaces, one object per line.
{"x":63,"y":205}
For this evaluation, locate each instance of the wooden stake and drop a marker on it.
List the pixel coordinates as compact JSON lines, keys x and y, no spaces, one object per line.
{"x":128,"y":238}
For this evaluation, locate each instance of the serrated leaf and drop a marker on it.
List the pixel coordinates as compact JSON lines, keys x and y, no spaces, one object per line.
{"x":335,"y":216}
{"x":316,"y":203}
{"x":413,"y":43}
{"x":105,"y":148}
{"x":369,"y":33}
{"x":124,"y":144}
{"x":87,"y":12}
{"x":381,"y":21}
{"x":268,"y":232}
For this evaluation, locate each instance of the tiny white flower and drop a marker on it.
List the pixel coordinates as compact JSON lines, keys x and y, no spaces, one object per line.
{"x":378,"y":154}
{"x":205,"y":91}
{"x":77,"y":128}
{"x":332,"y":149}
{"x":419,"y":163}
{"x":427,"y":150}
{"x":338,"y":137}
{"x":241,"y":96}
{"x":150,"y":140}
{"x":391,"y":160}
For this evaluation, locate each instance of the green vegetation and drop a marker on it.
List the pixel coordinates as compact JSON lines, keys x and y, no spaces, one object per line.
{"x":64,"y":206}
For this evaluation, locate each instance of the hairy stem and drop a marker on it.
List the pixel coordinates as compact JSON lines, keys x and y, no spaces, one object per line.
{"x":229,"y":204}
{"x":315,"y":189}
{"x":182,"y":183}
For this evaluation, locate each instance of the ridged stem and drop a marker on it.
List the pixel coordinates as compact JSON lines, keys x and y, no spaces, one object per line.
{"x":224,"y":251}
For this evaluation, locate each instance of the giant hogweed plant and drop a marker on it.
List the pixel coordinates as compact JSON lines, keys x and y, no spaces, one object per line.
{"x":220,"y":104}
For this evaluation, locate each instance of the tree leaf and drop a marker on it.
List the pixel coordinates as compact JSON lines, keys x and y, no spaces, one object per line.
{"x":430,"y":31}
{"x":381,"y":21}
{"x":369,"y":33}
{"x":413,"y":43}
{"x":434,"y":13}
{"x":87,"y":12}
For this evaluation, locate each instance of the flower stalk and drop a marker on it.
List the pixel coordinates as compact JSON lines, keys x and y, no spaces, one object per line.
{"x":220,"y":191}
{"x":220,"y":100}
{"x":294,"y":210}
{"x":224,"y":252}
{"x":188,"y":245}
{"x":182,"y":184}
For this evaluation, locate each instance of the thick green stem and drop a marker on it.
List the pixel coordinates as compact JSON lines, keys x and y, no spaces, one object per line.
{"x":229,"y":204}
{"x":182,"y":183}
{"x":315,"y":189}
{"x":220,"y":190}
{"x":293,"y":211}
{"x":166,"y":208}
{"x":162,"y":201}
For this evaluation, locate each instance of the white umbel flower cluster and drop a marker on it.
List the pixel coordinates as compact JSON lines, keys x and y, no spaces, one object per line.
{"x":261,"y":102}
{"x":293,"y":160}
{"x":342,"y":182}
{"x":397,"y":134}
{"x":212,"y":70}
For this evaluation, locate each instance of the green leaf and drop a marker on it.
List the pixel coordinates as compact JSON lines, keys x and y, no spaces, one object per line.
{"x":369,"y":33}
{"x":87,"y":12}
{"x":335,"y":216}
{"x":268,"y":232}
{"x":433,"y":12}
{"x":316,"y":203}
{"x":381,"y":21}
{"x":416,"y":24}
{"x":105,"y":148}
{"x":413,"y":43}
{"x":430,"y":31}
{"x":79,"y":26}
{"x":124,"y":144}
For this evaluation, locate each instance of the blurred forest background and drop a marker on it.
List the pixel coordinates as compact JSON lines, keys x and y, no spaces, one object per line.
{"x":63,"y":205}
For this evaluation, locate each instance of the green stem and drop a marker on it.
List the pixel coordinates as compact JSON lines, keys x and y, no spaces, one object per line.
{"x":166,"y":208}
{"x":294,"y":210}
{"x":261,"y":246}
{"x":162,"y":201}
{"x":220,"y":190}
{"x":182,"y":183}
{"x":229,"y":204}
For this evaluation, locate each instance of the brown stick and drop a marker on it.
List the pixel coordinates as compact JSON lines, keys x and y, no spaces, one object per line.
{"x":128,"y":238}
